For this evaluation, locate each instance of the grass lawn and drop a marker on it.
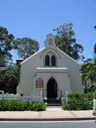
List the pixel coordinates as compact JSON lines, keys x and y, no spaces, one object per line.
{"x":9,"y":95}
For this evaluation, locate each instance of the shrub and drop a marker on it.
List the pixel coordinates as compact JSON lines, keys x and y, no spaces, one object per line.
{"x":90,"y":90}
{"x":78,"y":101}
{"x":3,"y":105}
{"x":78,"y":105}
{"x":21,"y":106}
{"x":17,"y":106}
{"x":36,"y":106}
{"x":80,"y":96}
{"x":75,"y":96}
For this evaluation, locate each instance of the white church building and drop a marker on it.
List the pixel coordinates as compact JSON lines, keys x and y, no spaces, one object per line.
{"x":51,"y":71}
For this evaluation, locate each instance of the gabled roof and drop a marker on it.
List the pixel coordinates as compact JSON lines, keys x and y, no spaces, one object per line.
{"x":48,"y":47}
{"x":67,"y":55}
{"x":33,"y":55}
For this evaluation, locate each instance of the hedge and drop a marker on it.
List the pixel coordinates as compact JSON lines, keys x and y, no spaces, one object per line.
{"x":78,"y":101}
{"x":21,"y":106}
{"x":78,"y":105}
{"x":80,"y":96}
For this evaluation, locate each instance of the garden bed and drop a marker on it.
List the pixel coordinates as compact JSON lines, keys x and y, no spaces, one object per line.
{"x":21,"y":106}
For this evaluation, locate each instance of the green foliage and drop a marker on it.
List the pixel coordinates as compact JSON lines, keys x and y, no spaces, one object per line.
{"x":88,"y":70}
{"x":79,"y":96}
{"x":78,"y":105}
{"x":66,"y":42}
{"x":9,"y":79}
{"x":36,"y":106}
{"x":95,"y":50}
{"x":21,"y":106}
{"x":89,"y":90}
{"x":12,"y":105}
{"x":78,"y":101}
{"x":26,"y":47}
{"x":6,"y":44}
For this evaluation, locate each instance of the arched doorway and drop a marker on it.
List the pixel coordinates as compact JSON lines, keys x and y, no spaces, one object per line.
{"x":52,"y":88}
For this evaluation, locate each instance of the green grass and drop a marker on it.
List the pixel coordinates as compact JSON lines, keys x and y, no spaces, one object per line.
{"x":13,"y":95}
{"x":8,"y":95}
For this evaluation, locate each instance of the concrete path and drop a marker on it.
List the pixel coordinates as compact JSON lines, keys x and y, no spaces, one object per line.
{"x":50,"y":113}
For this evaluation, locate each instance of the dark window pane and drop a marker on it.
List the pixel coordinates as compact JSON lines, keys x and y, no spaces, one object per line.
{"x":53,"y":61}
{"x":47,"y":61}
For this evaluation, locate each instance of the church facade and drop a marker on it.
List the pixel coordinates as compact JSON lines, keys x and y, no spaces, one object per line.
{"x":51,"y":71}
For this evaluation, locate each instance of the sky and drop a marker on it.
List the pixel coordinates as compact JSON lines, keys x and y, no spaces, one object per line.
{"x":37,"y":18}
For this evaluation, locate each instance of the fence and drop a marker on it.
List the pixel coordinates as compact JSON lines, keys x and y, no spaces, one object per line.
{"x":31,"y":98}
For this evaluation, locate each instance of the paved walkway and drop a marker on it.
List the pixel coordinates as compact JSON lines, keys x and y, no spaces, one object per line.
{"x":50,"y":113}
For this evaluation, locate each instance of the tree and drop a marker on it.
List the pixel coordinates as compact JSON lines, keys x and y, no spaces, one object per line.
{"x":88,"y":70}
{"x":26,"y":47}
{"x":6,"y":44}
{"x":65,"y":41}
{"x":9,"y":79}
{"x":94,"y":53}
{"x":95,"y":46}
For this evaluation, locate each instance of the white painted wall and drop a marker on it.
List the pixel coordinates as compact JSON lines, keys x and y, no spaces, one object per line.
{"x":70,"y":80}
{"x":73,"y":71}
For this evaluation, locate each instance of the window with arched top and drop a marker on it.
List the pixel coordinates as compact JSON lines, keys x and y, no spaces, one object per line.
{"x":47,"y":60}
{"x":53,"y":61}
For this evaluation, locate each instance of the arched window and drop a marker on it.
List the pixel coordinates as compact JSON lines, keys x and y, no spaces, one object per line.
{"x":53,"y":61}
{"x":47,"y":61}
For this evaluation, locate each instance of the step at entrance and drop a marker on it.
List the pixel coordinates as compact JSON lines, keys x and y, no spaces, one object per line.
{"x":53,"y":102}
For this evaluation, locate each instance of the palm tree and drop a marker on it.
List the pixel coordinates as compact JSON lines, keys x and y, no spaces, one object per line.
{"x":88,"y":70}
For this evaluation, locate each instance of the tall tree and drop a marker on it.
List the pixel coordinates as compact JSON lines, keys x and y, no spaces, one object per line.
{"x":94,"y":46}
{"x":94,"y":53}
{"x":65,"y":41}
{"x":26,"y":47}
{"x":88,"y":70}
{"x":9,"y":79}
{"x":6,"y":44}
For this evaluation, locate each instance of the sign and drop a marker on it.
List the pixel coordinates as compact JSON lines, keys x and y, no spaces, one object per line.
{"x":39,"y":83}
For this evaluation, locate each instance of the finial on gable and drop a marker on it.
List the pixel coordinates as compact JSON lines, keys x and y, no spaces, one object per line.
{"x":50,"y":41}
